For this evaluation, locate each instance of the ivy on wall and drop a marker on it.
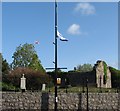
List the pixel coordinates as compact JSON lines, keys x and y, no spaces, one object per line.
{"x":105,"y":72}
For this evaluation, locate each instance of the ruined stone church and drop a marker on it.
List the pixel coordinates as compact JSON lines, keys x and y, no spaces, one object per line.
{"x":99,"y":77}
{"x":103,"y":75}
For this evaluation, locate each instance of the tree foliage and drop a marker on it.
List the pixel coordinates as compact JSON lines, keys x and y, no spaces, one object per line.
{"x":84,"y":68}
{"x":26,"y":56}
{"x":105,"y":72}
{"x":115,"y":77}
{"x":4,"y":66}
{"x":0,"y":63}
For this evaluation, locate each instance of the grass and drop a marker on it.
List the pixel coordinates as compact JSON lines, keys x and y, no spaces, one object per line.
{"x":80,"y":89}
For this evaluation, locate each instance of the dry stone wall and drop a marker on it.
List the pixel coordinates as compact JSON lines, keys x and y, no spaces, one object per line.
{"x":12,"y":101}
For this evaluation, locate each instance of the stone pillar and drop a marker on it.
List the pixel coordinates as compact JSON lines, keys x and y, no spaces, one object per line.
{"x":43,"y":87}
{"x":23,"y":83}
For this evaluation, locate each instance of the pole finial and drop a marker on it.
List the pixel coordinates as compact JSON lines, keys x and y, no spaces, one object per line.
{"x":23,"y":76}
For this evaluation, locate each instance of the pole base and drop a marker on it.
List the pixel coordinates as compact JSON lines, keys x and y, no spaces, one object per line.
{"x":23,"y":90}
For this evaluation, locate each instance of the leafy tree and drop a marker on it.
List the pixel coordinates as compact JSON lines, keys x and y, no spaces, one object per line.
{"x":4,"y":70}
{"x":84,"y":68}
{"x":26,"y":56}
{"x":4,"y":66}
{"x":0,"y":63}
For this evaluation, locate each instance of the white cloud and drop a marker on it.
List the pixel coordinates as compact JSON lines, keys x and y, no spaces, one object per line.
{"x":85,"y":8}
{"x":74,"y":29}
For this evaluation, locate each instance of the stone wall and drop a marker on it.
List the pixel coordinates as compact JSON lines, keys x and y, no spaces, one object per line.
{"x":72,"y":101}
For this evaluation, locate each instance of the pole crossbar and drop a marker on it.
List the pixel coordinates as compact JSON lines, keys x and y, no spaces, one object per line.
{"x":54,"y":68}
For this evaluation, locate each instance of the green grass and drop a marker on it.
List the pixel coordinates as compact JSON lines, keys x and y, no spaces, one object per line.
{"x":80,"y":89}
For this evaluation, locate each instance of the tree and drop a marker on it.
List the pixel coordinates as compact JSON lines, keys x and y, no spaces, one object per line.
{"x":84,"y":68}
{"x":4,"y":66}
{"x":4,"y":72}
{"x":0,"y":63}
{"x":26,"y":56}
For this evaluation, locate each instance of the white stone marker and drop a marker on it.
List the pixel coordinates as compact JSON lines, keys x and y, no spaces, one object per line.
{"x":43,"y":87}
{"x":23,"y":83}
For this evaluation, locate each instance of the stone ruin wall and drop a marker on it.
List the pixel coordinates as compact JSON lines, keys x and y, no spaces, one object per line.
{"x":100,"y":74}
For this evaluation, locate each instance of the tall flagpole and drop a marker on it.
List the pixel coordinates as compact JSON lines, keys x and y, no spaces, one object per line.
{"x":56,"y":98}
{"x":55,"y":62}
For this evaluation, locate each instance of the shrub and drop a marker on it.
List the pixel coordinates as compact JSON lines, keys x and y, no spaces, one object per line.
{"x":115,"y":77}
{"x":8,"y":87}
{"x":34,"y":79}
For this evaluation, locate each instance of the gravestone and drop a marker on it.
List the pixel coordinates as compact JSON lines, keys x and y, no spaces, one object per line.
{"x":103,"y":75}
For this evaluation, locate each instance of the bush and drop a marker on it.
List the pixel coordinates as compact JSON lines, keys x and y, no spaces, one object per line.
{"x":34,"y":79}
{"x":115,"y":77}
{"x":8,"y":87}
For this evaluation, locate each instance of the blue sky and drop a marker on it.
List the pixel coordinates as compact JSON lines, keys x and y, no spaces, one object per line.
{"x":91,"y":28}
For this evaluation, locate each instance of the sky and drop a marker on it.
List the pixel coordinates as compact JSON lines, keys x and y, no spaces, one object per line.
{"x":60,"y":0}
{"x":90,"y":27}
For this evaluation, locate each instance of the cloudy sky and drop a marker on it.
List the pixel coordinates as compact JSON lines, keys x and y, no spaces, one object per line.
{"x":91,"y":28}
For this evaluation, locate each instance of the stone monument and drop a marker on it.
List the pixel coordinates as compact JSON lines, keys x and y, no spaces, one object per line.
{"x":103,"y":75}
{"x":43,"y":87}
{"x":23,"y":83}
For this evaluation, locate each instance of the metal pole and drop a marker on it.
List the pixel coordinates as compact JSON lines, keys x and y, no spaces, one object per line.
{"x":56,"y":98}
{"x":87,"y":93}
{"x":83,"y":85}
{"x":49,"y":82}
{"x":100,"y":84}
{"x":65,"y":85}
